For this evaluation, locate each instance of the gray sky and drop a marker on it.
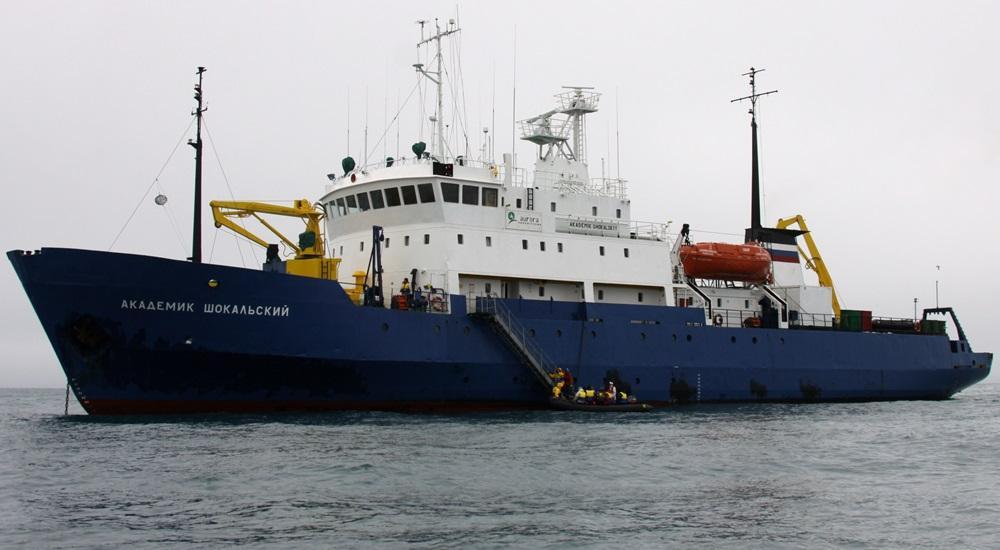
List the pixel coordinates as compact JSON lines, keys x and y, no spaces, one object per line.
{"x":883,"y":134}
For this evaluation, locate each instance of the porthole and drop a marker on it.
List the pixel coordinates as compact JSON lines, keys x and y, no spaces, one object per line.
{"x":466,"y":330}
{"x":558,"y":333}
{"x":642,"y":335}
{"x":674,"y":336}
{"x":593,"y":334}
{"x":754,"y":339}
{"x":385,"y":327}
{"x":782,"y":339}
{"x":732,"y":339}
{"x":688,"y":337}
{"x":637,"y":380}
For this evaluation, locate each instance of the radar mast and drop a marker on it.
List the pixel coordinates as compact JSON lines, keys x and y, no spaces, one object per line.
{"x":437,"y":77}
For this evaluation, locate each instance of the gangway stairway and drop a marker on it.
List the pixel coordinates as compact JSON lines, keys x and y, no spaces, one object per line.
{"x":516,"y":338}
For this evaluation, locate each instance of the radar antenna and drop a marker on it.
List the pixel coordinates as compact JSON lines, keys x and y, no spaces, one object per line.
{"x":563,"y":131}
{"x":755,"y":171}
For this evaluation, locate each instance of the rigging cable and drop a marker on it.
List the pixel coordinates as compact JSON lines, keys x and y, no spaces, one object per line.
{"x":225,"y":178}
{"x":155,"y":181}
{"x":394,"y":118}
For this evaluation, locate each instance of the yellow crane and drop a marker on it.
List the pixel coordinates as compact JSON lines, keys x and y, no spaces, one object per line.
{"x":813,"y":260}
{"x":310,"y":252}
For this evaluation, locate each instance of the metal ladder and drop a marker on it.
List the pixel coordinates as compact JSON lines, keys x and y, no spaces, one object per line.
{"x":517,"y":338}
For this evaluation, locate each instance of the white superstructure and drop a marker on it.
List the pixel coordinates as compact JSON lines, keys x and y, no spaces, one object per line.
{"x":490,"y":228}
{"x":476,"y":227}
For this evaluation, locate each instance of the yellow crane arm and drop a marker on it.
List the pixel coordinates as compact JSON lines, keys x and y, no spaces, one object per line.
{"x":224,"y":211}
{"x":813,"y":260}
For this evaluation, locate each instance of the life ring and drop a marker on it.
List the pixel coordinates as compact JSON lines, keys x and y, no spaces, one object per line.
{"x":718,"y":320}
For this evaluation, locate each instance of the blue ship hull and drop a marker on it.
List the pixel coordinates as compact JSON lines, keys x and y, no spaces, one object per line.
{"x":138,"y":334}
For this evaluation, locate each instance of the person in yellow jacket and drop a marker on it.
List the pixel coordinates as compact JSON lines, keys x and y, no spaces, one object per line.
{"x":581,"y":394}
{"x":557,"y":390}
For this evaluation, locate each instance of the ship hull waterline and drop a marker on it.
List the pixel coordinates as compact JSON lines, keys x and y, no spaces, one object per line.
{"x":144,"y":335}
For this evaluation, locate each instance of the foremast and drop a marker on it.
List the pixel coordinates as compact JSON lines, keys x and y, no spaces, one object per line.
{"x":196,"y":143}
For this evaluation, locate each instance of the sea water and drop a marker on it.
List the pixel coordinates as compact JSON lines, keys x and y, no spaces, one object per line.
{"x":877,"y":475}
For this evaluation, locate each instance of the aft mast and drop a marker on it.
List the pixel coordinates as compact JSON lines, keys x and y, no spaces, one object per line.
{"x":437,"y":77}
{"x":196,"y":143}
{"x":754,"y":231}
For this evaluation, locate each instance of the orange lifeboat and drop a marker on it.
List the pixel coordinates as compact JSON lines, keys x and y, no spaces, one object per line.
{"x":748,"y":262}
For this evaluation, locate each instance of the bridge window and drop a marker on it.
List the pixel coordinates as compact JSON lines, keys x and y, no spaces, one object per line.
{"x":541,"y":245}
{"x":600,"y":294}
{"x":489,"y":241}
{"x":392,"y":196}
{"x":341,"y":207}
{"x":489,"y":196}
{"x":640,"y":297}
{"x":362,"y":246}
{"x":352,"y":204}
{"x":718,"y":302}
{"x":602,"y":250}
{"x":363,"y":203}
{"x":626,"y":253}
{"x":461,"y":239}
{"x":541,"y":290}
{"x":387,"y":242}
{"x":449,"y":192}
{"x":409,"y":194}
{"x":524,"y":244}
{"x":427,"y":238}
{"x":618,"y":212}
{"x":377,"y":201}
{"x":406,"y":240}
{"x":746,"y":304}
{"x":552,"y":207}
{"x":518,"y":203}
{"x":593,"y":210}
{"x":470,"y":195}
{"x":559,"y":247}
{"x":426,"y":191}
{"x":489,"y":289}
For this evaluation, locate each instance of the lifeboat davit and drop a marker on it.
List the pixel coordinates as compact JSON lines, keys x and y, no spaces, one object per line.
{"x":750,"y":262}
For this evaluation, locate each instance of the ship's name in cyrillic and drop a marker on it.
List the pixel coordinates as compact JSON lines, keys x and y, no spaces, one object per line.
{"x":224,"y":309}
{"x":158,"y":305}
{"x":234,"y":309}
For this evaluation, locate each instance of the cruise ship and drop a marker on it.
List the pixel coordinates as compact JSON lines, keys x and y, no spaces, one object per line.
{"x":440,"y":282}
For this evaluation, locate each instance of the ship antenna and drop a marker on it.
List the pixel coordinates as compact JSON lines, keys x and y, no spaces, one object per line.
{"x":196,"y":237}
{"x":755,"y":171}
